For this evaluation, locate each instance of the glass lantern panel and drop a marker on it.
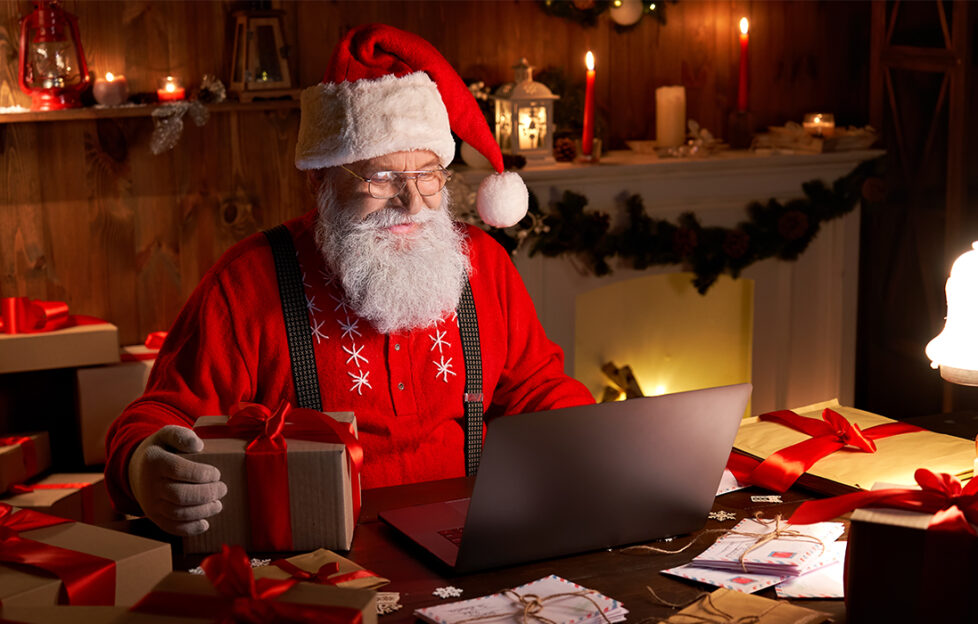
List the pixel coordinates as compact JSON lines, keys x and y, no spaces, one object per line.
{"x":54,"y":64}
{"x":265,"y":55}
{"x":504,"y":125}
{"x":532,"y":126}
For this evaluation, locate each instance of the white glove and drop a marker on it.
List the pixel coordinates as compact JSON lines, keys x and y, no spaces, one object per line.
{"x":175,"y":493}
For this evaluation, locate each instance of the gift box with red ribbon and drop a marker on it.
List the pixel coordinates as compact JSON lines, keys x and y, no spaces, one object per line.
{"x":62,"y":615}
{"x":22,"y":456}
{"x":75,"y":496}
{"x":39,"y":335}
{"x":104,"y":391}
{"x":323,"y":567}
{"x":913,"y":552}
{"x":46,"y":560}
{"x":228,"y":592}
{"x":293,"y":478}
{"x":835,"y":449}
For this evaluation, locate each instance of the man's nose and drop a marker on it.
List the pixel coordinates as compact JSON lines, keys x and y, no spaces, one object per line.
{"x":411,"y":200}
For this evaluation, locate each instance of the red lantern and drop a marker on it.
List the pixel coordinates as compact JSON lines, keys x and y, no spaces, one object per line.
{"x":52,"y":69}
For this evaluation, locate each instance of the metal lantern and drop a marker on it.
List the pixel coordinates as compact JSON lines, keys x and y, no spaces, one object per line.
{"x":52,"y":62}
{"x":525,"y":116}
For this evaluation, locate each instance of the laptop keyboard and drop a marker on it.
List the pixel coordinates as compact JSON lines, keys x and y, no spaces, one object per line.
{"x":452,"y":535}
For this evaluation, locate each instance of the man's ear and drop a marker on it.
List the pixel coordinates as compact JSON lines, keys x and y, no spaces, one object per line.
{"x":314,"y":180}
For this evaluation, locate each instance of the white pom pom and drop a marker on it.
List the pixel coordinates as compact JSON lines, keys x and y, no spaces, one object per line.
{"x":503,"y":199}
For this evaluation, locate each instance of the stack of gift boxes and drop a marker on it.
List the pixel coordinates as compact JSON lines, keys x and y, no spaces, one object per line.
{"x":57,"y":565}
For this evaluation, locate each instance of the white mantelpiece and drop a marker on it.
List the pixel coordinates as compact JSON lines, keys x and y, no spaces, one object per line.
{"x":804,"y":337}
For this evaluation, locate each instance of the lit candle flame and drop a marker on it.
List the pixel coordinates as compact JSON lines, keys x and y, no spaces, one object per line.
{"x":589,"y":61}
{"x":744,"y":25}
{"x":109,"y":76}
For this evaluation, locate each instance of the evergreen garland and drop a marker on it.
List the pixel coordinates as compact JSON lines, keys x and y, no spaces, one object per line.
{"x":773,"y":230}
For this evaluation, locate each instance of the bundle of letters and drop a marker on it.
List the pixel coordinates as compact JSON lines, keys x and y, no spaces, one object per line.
{"x":803,"y":561}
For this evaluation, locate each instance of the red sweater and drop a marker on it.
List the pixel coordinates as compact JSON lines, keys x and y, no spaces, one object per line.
{"x":229,"y":345}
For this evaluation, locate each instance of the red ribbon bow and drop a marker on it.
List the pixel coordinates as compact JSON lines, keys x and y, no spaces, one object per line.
{"x":88,"y":579}
{"x":955,"y":508}
{"x":267,"y":464}
{"x":327,"y":574}
{"x":21,"y":315}
{"x":779,"y":471}
{"x":27,"y":449}
{"x":243,"y":599}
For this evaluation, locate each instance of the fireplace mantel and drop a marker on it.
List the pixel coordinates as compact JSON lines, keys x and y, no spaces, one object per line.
{"x":804,"y":337}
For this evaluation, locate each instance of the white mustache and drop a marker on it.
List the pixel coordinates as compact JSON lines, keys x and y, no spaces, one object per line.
{"x":390,"y":217}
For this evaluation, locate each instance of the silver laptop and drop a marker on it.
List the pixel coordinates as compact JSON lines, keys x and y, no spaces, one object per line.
{"x":584,"y":478}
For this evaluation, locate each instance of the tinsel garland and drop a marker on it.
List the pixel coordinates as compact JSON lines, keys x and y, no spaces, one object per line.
{"x":773,"y":230}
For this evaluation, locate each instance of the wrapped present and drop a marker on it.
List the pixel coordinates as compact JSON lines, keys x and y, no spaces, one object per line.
{"x":22,"y":456}
{"x":45,"y":560}
{"x":61,"y":615}
{"x":75,"y":496}
{"x":835,"y":449}
{"x":37,"y":335}
{"x":229,"y":589}
{"x":104,"y":391}
{"x":293,"y":478}
{"x":725,"y":605}
{"x":323,"y":567}
{"x":916,"y":546}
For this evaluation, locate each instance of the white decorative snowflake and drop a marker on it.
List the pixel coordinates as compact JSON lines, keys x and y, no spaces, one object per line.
{"x":311,"y":304}
{"x":340,"y":304}
{"x":444,"y":368}
{"x":439,"y":340}
{"x":722,"y":516}
{"x":355,"y":355}
{"x":447,"y":592}
{"x":359,"y":381}
{"x":304,"y":283}
{"x":317,"y":331}
{"x":349,"y":327}
{"x":451,"y":318}
{"x":328,"y":278}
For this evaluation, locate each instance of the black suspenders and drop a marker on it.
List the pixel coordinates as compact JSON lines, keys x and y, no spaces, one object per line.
{"x":303,"y":357}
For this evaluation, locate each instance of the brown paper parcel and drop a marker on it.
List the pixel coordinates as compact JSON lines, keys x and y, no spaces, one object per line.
{"x":62,"y":615}
{"x":103,"y":392}
{"x":320,"y":495}
{"x":895,"y":460}
{"x":140,"y":564}
{"x":740,"y":607}
{"x":12,"y":468}
{"x":311,"y":562}
{"x":69,"y":502}
{"x":926,"y":575}
{"x":192,"y":585}
{"x":82,"y":345}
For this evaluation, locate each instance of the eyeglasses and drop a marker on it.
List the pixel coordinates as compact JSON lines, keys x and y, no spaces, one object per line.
{"x":388,"y":184}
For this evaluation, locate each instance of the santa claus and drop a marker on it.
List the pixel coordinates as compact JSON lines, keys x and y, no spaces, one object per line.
{"x":377,"y":302}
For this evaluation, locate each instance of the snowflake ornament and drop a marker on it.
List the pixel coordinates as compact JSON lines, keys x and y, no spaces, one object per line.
{"x":311,"y":304}
{"x":438,"y":340}
{"x":355,"y":355}
{"x":317,"y":331}
{"x":341,"y":305}
{"x":388,"y":602}
{"x":722,"y":516}
{"x":447,"y":592}
{"x":444,"y":369}
{"x":350,"y":327}
{"x":359,"y":381}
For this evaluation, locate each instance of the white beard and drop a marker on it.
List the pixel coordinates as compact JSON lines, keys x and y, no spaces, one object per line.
{"x":398,"y":282}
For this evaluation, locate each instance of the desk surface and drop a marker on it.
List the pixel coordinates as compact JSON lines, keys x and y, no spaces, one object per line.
{"x":415,"y":574}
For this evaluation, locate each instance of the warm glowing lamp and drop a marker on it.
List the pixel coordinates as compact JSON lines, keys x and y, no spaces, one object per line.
{"x":955,"y":350}
{"x":525,"y":116}
{"x":52,"y":68}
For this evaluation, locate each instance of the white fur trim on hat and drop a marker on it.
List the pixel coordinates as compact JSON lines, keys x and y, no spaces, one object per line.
{"x":503,"y":199}
{"x":349,"y":121}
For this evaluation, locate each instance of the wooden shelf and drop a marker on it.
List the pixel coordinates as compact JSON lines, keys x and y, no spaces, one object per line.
{"x":137,"y":110}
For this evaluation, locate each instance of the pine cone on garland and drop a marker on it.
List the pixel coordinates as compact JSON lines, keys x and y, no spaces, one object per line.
{"x":564,"y":150}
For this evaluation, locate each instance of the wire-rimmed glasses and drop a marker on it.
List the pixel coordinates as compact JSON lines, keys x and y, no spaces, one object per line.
{"x":388,"y":184}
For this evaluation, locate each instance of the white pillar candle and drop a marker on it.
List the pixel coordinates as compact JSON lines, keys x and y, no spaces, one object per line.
{"x":670,"y":116}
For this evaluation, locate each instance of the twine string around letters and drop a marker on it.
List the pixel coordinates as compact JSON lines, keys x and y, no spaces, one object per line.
{"x":532,"y":605}
{"x":761,"y":538}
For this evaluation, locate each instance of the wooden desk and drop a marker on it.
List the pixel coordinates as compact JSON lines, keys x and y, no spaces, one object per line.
{"x":415,"y":574}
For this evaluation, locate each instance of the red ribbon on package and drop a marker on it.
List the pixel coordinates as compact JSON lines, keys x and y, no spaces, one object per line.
{"x":153,"y":342}
{"x":327,"y":574}
{"x":22,"y":315}
{"x":267,"y":465}
{"x":241,"y":598}
{"x":88,"y":579}
{"x":87,"y":495}
{"x":779,"y":471}
{"x":955,"y":508}
{"x":27,"y":448}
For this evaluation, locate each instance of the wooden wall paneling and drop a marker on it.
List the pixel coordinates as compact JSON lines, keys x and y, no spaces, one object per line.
{"x":699,"y":63}
{"x":10,"y":93}
{"x":23,"y":246}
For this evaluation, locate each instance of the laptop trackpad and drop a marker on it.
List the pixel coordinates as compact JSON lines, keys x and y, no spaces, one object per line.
{"x":436,"y":526}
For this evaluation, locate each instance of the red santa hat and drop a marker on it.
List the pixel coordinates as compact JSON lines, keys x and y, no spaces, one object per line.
{"x":387,"y":90}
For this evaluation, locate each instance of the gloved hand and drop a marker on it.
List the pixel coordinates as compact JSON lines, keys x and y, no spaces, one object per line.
{"x":175,"y":493}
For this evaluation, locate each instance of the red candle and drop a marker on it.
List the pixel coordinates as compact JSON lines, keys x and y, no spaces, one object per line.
{"x":742,"y":83}
{"x":587,"y":139}
{"x":171,"y":91}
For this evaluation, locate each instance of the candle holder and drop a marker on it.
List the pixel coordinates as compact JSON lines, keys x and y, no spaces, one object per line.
{"x":112,"y":91}
{"x":740,"y":129}
{"x":594,"y":157}
{"x":819,"y":124}
{"x":170,"y":90}
{"x":525,"y":116}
